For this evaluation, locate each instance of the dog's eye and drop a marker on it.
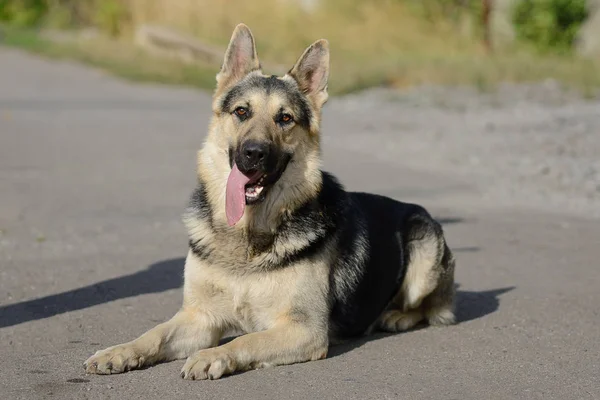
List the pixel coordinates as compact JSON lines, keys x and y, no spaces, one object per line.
{"x":286,"y":119}
{"x":241,"y":112}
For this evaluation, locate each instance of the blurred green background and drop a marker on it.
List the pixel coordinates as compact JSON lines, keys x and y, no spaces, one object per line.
{"x":379,"y":42}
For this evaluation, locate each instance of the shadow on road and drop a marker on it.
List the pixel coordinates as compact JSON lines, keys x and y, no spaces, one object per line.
{"x":158,"y":277}
{"x":470,"y":305}
{"x":168,"y":274}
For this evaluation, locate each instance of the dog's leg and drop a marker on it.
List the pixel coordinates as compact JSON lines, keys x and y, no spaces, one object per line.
{"x":286,"y":343}
{"x":405,"y":311}
{"x":422,"y":272}
{"x":185,"y":333}
{"x":438,"y":307}
{"x":427,"y":291}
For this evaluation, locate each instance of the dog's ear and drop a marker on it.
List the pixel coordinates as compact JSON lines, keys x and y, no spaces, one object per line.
{"x":240,"y":57}
{"x":312,"y":71}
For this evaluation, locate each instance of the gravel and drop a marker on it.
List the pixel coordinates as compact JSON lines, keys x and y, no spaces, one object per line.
{"x":535,"y":146}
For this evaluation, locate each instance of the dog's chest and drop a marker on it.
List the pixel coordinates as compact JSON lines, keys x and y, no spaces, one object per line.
{"x":253,"y":308}
{"x":250,"y":302}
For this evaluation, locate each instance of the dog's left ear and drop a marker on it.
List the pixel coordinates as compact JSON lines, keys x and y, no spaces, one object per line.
{"x":312,"y":72}
{"x":240,"y":58}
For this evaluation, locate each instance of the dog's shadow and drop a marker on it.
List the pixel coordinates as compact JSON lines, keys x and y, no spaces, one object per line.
{"x":470,"y":305}
{"x":159,"y":277}
{"x":167,"y":275}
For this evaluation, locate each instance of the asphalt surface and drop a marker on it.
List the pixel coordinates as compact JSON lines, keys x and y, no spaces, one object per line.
{"x":94,"y":175}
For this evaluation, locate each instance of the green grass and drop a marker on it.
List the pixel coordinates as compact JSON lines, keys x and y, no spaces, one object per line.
{"x":468,"y":67}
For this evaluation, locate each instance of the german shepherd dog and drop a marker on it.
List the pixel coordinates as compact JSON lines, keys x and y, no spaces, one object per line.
{"x":278,"y":250}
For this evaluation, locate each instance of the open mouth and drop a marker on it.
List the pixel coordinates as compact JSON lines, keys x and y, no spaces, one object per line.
{"x":244,"y":189}
{"x":254,"y":192}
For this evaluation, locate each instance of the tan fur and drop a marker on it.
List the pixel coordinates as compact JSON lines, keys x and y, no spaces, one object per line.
{"x":439,"y":305}
{"x":282,"y":313}
{"x":422,"y":273}
{"x":293,"y":188}
{"x":427,"y":291}
{"x":398,"y":321}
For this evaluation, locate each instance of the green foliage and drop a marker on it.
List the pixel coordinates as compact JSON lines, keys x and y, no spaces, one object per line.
{"x":549,"y":24}
{"x":108,"y":15}
{"x":22,"y":13}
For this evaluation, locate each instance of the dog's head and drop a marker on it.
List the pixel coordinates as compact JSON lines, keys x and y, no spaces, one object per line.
{"x":265,"y":128}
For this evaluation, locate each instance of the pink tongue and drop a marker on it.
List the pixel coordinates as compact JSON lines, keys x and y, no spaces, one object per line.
{"x":235,"y":195}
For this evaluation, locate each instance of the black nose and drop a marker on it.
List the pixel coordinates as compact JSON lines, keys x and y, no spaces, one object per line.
{"x":254,"y":154}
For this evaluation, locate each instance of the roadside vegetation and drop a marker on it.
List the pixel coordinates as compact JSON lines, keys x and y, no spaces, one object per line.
{"x":396,"y":43}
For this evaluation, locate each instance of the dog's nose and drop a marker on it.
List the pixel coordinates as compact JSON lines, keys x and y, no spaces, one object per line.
{"x":255,"y":154}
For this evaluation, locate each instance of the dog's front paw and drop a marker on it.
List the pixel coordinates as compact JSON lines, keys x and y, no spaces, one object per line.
{"x":208,"y":364}
{"x":113,"y":360}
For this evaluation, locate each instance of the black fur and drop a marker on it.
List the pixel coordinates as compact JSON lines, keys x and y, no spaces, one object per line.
{"x":386,"y":226}
{"x":230,"y":153}
{"x":370,"y":233}
{"x":202,"y":210}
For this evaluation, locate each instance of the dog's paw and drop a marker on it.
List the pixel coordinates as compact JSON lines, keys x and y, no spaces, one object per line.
{"x":113,"y":360}
{"x":398,"y":321}
{"x":208,"y":364}
{"x":441,"y":316}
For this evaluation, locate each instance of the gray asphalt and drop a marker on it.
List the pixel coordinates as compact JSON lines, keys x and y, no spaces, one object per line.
{"x":94,"y":175}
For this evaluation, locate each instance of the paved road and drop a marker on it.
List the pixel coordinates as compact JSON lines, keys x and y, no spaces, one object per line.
{"x":94,"y":174}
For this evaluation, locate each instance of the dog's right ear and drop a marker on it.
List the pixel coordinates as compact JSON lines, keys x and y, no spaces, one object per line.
{"x":240,"y":58}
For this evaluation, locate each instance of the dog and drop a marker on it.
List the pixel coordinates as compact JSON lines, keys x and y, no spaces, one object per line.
{"x":278,"y":250}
